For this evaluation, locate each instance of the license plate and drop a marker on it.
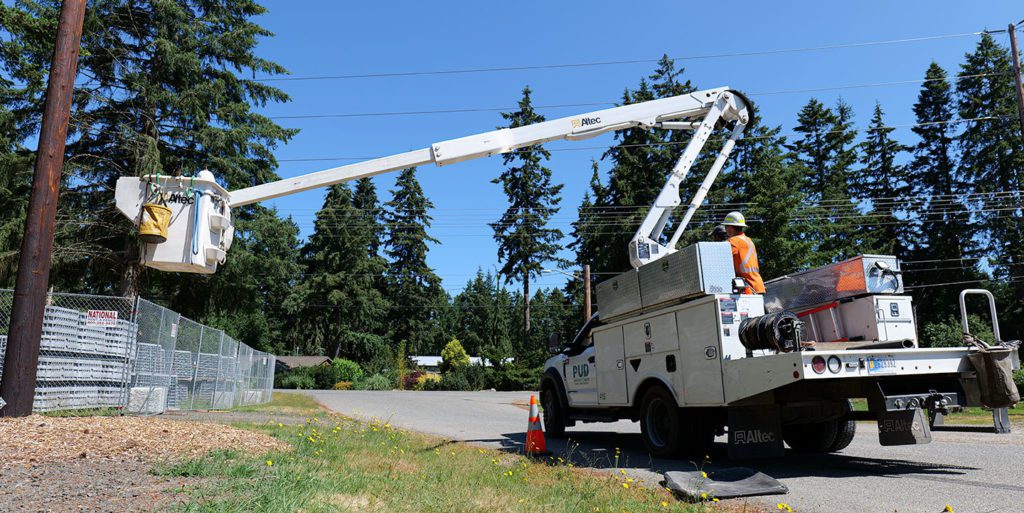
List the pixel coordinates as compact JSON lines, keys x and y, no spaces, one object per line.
{"x":881,"y":365}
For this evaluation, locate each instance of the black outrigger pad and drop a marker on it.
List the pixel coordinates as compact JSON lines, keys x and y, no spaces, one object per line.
{"x":727,"y":483}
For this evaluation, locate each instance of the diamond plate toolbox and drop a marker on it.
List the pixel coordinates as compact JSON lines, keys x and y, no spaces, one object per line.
{"x":858,"y":276}
{"x":619,"y":295}
{"x":702,"y":268}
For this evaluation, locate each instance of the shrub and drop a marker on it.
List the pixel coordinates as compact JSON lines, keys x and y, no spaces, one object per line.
{"x":347,"y":370}
{"x":453,"y":356}
{"x":325,"y":376}
{"x":376,"y":382}
{"x":454,"y":381}
{"x":950,"y":333}
{"x":411,"y":379}
{"x":427,"y":381}
{"x":342,"y":385}
{"x":295,"y":379}
{"x":515,"y":377}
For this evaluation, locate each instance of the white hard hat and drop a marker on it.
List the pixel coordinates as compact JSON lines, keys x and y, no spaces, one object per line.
{"x":735,"y":219}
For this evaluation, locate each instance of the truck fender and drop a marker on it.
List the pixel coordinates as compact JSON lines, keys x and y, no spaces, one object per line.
{"x":551,"y":376}
{"x":647,"y":384}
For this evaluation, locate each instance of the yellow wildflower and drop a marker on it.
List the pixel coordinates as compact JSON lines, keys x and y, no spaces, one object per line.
{"x":949,"y":509}
{"x":270,"y":463}
{"x":703,"y":474}
{"x":784,"y":507}
{"x":664,"y":504}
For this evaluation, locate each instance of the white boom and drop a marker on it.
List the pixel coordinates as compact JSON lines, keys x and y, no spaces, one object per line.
{"x":196,"y":199}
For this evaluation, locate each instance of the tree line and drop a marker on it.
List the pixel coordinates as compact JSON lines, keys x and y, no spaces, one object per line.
{"x":163,"y":88}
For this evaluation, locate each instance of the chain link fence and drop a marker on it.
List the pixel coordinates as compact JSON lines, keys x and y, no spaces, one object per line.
{"x":118,"y":352}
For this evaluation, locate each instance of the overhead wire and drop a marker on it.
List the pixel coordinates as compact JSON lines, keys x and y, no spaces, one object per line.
{"x":495,"y":69}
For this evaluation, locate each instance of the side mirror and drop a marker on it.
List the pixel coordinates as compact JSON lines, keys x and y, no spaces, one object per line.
{"x":554,"y":343}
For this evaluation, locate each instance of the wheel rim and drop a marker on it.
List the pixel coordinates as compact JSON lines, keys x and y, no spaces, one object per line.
{"x":658,"y":424}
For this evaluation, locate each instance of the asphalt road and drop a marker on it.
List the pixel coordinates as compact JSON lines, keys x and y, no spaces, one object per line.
{"x":973,"y":471}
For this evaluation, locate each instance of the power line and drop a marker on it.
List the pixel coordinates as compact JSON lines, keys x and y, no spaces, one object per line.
{"x":461,"y":71}
{"x":463,"y":110}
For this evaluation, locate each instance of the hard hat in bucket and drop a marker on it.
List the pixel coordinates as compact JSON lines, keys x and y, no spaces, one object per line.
{"x":735,"y":219}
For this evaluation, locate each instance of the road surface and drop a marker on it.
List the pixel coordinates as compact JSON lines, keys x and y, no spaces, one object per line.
{"x":973,"y":471}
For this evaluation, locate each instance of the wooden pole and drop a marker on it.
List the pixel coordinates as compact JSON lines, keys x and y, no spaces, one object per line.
{"x":1017,"y":77}
{"x":586,"y":293}
{"x":19,"y":380}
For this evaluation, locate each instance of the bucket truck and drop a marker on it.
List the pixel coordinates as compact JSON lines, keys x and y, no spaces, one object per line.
{"x":675,"y":343}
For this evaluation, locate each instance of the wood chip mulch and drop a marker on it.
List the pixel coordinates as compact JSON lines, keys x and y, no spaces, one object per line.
{"x":38,"y":439}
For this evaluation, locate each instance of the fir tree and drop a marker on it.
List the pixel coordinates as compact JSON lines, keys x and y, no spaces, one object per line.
{"x":825,"y":157}
{"x":483,"y":320}
{"x":413,"y":290}
{"x":887,"y":229}
{"x":525,"y":243}
{"x":944,"y":241}
{"x":338,"y":297}
{"x":166,"y":93}
{"x":992,"y":158}
{"x":770,"y":184}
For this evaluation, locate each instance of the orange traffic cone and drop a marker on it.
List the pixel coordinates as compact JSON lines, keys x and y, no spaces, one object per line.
{"x":535,"y":443}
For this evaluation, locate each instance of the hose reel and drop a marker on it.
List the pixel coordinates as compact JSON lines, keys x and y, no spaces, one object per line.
{"x":782,"y":332}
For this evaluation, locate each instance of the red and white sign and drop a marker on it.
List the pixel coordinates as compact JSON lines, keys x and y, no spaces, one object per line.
{"x":101,"y":318}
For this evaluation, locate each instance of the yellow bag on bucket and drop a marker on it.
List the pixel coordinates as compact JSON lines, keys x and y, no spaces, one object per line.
{"x":153,"y":225}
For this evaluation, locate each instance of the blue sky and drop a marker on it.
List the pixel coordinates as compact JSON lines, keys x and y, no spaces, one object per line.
{"x":322,"y":37}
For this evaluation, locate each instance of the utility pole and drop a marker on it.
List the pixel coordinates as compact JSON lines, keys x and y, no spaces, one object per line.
{"x":19,"y":379}
{"x":1016,"y":76}
{"x":586,"y":292}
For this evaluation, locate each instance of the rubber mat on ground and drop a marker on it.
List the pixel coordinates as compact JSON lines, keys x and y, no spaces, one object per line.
{"x":724,"y":483}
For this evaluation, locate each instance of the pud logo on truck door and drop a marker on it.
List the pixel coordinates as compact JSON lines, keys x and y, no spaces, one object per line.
{"x":581,"y":374}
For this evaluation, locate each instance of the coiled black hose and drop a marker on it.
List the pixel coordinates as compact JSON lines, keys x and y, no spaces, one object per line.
{"x":782,"y":332}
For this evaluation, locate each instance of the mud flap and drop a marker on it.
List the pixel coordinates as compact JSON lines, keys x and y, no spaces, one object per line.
{"x":908,"y":427}
{"x":755,"y":432}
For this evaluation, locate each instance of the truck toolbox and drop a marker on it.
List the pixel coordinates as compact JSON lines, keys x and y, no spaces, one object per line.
{"x":858,"y":276}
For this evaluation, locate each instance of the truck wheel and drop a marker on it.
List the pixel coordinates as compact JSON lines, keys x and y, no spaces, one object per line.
{"x":554,"y":417}
{"x":661,"y":424}
{"x":845,"y":431}
{"x":829,"y":436}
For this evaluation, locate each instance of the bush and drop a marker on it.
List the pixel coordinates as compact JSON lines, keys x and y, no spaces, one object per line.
{"x":342,"y":385}
{"x":515,"y":377}
{"x":325,"y":376}
{"x":454,"y":381}
{"x":453,"y":356}
{"x":376,"y":382}
{"x":347,"y":370}
{"x":411,"y":379}
{"x":427,"y":381}
{"x":950,"y":333}
{"x":295,"y":379}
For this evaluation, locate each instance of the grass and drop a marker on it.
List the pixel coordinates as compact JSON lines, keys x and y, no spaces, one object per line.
{"x":343,"y":465}
{"x":285,"y":403}
{"x":968,"y":416}
{"x":85,"y":412}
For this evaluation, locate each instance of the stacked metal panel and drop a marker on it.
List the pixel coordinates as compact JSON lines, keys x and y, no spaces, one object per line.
{"x":82,"y":366}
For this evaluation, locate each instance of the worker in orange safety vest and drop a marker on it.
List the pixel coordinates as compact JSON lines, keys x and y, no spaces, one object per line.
{"x":744,"y":254}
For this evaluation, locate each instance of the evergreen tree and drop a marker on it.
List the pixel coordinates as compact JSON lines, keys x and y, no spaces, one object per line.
{"x":524,"y":240}
{"x":945,"y":242}
{"x":338,"y":299}
{"x":15,"y":183}
{"x":887,"y":229}
{"x":992,"y":159}
{"x":165,"y":93}
{"x":770,"y":185}
{"x":483,"y":317}
{"x":413,"y":290}
{"x":824,"y":154}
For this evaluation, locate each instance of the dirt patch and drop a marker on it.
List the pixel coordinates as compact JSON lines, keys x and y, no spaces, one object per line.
{"x":86,"y":485}
{"x":38,"y":439}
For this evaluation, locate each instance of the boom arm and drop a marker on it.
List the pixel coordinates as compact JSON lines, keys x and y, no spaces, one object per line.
{"x":701,"y":111}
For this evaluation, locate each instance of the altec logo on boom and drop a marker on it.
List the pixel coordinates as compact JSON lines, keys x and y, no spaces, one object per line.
{"x":582,"y":122}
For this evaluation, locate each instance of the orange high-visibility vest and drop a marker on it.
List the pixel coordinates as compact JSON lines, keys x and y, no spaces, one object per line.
{"x":744,"y":260}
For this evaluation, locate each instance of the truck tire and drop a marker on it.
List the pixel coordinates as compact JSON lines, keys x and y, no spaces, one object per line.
{"x":829,"y":436}
{"x":846,"y":429}
{"x":551,"y":410}
{"x":666,"y":431}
